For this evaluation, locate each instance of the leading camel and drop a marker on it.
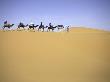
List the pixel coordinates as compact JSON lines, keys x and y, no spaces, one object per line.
{"x":7,"y":25}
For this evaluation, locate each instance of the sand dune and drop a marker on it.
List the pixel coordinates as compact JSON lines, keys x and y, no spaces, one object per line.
{"x":81,"y":55}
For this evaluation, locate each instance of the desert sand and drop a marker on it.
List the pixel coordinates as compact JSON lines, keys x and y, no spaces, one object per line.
{"x":81,"y":55}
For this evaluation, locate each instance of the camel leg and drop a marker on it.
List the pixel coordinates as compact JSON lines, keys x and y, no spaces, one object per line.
{"x":39,"y":29}
{"x":23,"y":28}
{"x":52,"y":30}
{"x":43,"y":30}
{"x":58,"y":29}
{"x":18,"y":28}
{"x":33,"y":28}
{"x":28,"y":28}
{"x":8,"y":28}
{"x":3,"y":27}
{"x":47,"y":30}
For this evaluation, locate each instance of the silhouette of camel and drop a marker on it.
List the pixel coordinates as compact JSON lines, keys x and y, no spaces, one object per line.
{"x":51,"y":27}
{"x":7,"y":25}
{"x":21,"y":25}
{"x":32,"y":26}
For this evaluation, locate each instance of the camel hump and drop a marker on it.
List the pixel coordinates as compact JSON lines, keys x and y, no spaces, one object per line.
{"x":21,"y":23}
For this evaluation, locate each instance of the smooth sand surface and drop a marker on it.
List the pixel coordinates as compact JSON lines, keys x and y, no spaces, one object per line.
{"x":81,"y":55}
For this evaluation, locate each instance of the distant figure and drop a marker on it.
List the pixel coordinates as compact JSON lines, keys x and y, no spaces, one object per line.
{"x":7,"y":25}
{"x":67,"y":28}
{"x":50,"y":27}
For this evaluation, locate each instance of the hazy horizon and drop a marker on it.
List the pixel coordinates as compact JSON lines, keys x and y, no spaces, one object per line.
{"x":87,"y":13}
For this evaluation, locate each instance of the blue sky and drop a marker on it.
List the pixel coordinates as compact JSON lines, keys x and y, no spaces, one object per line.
{"x":88,"y":13}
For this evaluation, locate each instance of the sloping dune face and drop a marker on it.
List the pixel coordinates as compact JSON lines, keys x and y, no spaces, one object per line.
{"x":81,"y":55}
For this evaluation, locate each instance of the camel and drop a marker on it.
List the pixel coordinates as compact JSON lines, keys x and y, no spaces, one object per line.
{"x":7,"y":25}
{"x":51,"y":27}
{"x":32,"y":26}
{"x":21,"y":25}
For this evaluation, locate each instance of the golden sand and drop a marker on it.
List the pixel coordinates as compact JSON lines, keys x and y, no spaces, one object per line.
{"x":81,"y":55}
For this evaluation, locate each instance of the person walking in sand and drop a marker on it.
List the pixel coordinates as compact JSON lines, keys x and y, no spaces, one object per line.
{"x":68,"y":29}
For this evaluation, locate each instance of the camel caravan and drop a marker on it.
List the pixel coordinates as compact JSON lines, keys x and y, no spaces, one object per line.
{"x":40,"y":27}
